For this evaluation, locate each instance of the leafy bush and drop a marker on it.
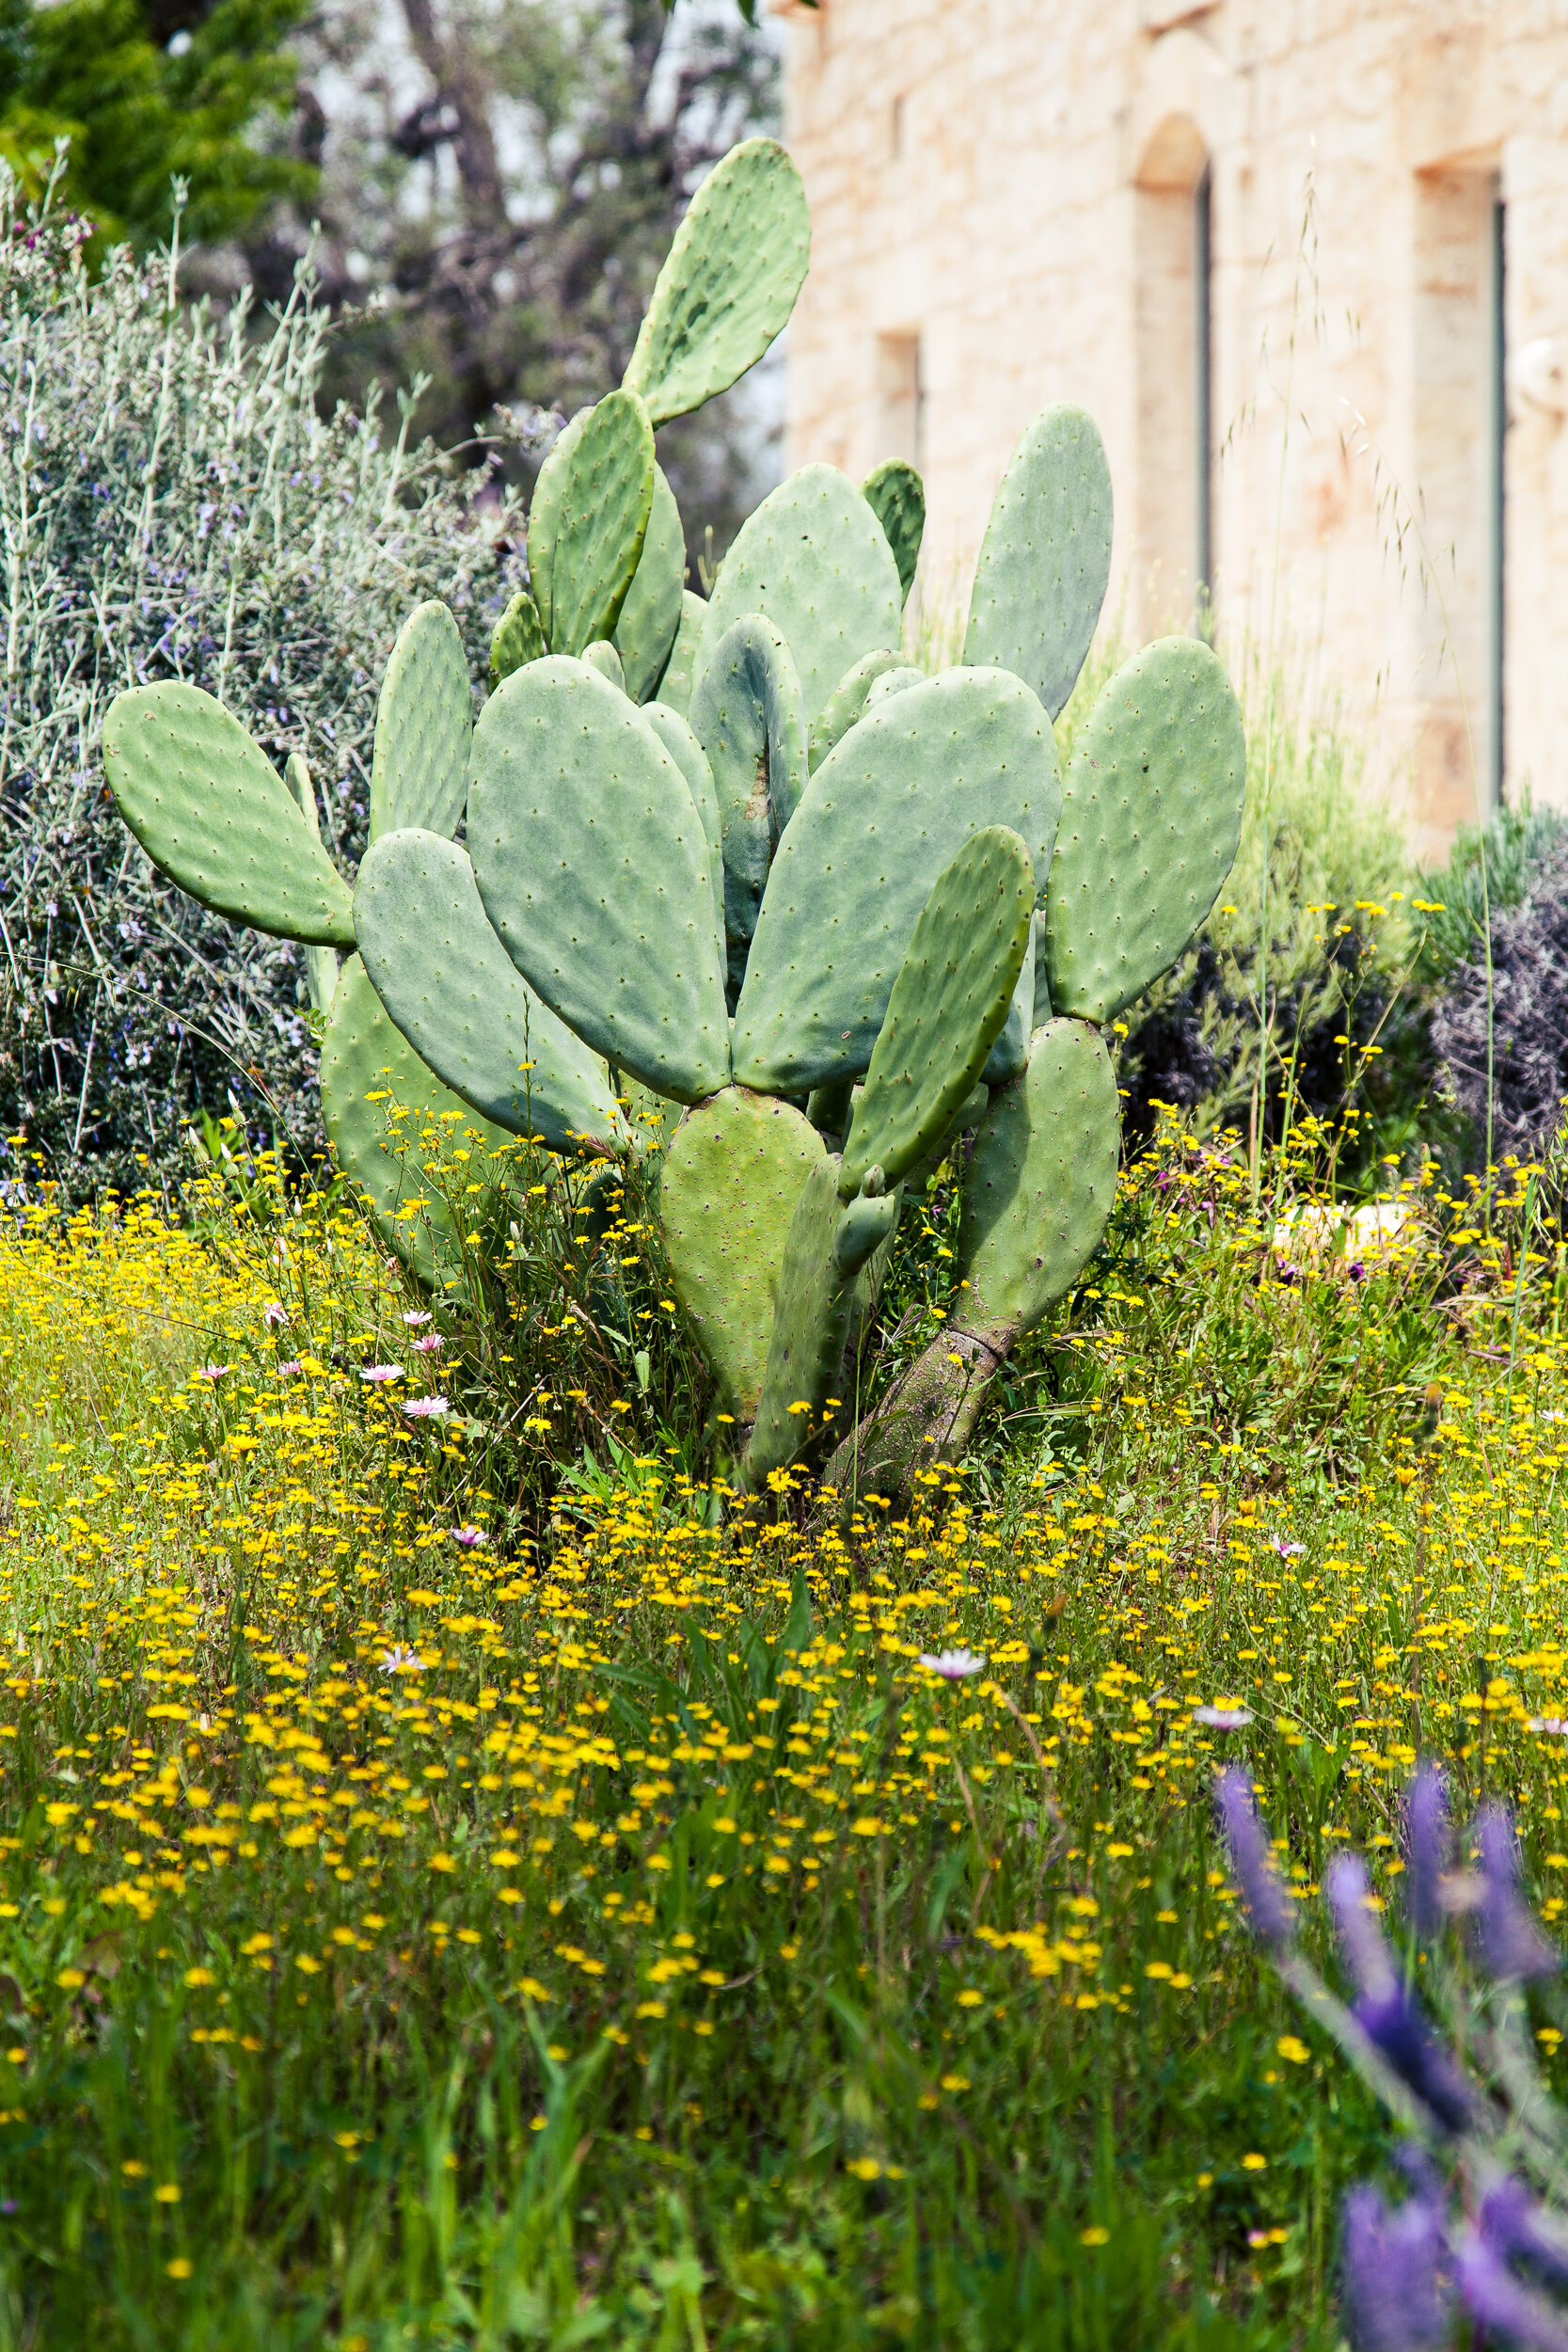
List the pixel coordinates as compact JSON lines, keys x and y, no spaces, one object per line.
{"x":1504,"y":1049}
{"x":172,"y":505}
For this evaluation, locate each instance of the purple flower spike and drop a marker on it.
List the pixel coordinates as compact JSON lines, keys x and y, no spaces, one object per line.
{"x":1502,"y":2304}
{"x":1390,"y":2017}
{"x":1513,"y":2223}
{"x":1269,"y":1906}
{"x":1426,"y":1846}
{"x":1392,"y":2267}
{"x":1511,"y":1943}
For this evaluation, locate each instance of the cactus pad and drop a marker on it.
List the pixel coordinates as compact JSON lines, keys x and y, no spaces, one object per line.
{"x":679,"y":675}
{"x":652,"y":611}
{"x":321,"y":963}
{"x":732,"y":1176}
{"x":689,"y":758}
{"x":896,"y":496}
{"x":597,"y":521}
{"x":1045,"y":558}
{"x":1041,"y":1180}
{"x":544,"y":515}
{"x":423,"y":719}
{"x":213,"y":812}
{"x":1010,"y":1053}
{"x":452,"y":989}
{"x":593,"y":866}
{"x":517,"y":636}
{"x":878,"y":822}
{"x":602,"y":656}
{"x":825,"y":1251}
{"x":746,"y":714}
{"x":895,"y":681}
{"x":947,"y":1007}
{"x":814,"y":559}
{"x":847,"y":703}
{"x":368,"y":1071}
{"x":1151,"y":817}
{"x":728,"y":284}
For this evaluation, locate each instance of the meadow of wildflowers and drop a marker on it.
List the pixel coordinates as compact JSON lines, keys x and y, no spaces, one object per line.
{"x":465,"y":1882}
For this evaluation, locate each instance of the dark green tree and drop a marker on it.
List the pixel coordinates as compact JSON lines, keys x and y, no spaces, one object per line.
{"x":144,"y":89}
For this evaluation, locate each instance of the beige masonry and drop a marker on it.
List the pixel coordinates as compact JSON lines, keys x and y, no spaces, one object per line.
{"x":1197,"y":221}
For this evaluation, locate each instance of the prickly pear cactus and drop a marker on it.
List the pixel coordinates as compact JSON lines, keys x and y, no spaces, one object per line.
{"x":678,"y":810}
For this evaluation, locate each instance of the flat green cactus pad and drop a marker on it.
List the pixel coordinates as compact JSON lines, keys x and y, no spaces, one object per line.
{"x":211,"y":811}
{"x":746,"y":713}
{"x":1045,"y":558}
{"x":679,"y":675}
{"x":517,"y":636}
{"x":452,"y":990}
{"x":1010,"y":1053}
{"x":593,"y":866}
{"x":1041,"y":1180}
{"x":423,"y":719}
{"x":878,"y":822}
{"x":1151,"y":818}
{"x":732,"y":1176}
{"x":591,"y":519}
{"x":896,"y":496}
{"x":652,"y":612}
{"x":812,"y":559}
{"x":847,"y":703}
{"x":948,"y":1004}
{"x":895,"y":681}
{"x":825,"y":1253}
{"x":602,"y":656}
{"x":387,"y":1117}
{"x":545,"y":513}
{"x":689,"y":758}
{"x":729,"y":280}
{"x":321,"y":963}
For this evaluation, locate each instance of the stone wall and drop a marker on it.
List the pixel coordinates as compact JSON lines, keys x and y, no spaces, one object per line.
{"x":1010,"y":205}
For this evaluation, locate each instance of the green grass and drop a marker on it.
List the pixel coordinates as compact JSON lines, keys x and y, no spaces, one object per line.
{"x":684,"y":1964}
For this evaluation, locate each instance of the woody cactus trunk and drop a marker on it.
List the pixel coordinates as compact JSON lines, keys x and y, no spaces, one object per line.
{"x":851,"y":917}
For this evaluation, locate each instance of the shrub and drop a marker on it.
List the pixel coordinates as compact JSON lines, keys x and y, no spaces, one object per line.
{"x":173,"y":506}
{"x":1510,"y":1055}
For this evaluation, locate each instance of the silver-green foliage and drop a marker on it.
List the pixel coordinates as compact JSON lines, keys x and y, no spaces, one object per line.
{"x":175,"y":508}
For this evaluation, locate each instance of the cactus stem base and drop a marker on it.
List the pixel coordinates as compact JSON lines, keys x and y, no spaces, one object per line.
{"x":929,"y":1416}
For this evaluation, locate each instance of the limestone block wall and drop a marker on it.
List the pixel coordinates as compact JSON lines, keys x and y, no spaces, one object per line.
{"x":1307,"y":263}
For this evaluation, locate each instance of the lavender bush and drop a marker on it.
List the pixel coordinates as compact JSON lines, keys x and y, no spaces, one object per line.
{"x":172,"y":504}
{"x":1482,"y":2234}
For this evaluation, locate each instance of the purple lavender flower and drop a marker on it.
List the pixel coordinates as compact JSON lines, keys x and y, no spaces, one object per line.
{"x":1357,"y":1269}
{"x":1511,"y":1943}
{"x":1426,"y":1846}
{"x":1388,"y":2015}
{"x":1513,"y":2223}
{"x":1500,"y":2303}
{"x":1392,"y":2270}
{"x":1269,"y":1906}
